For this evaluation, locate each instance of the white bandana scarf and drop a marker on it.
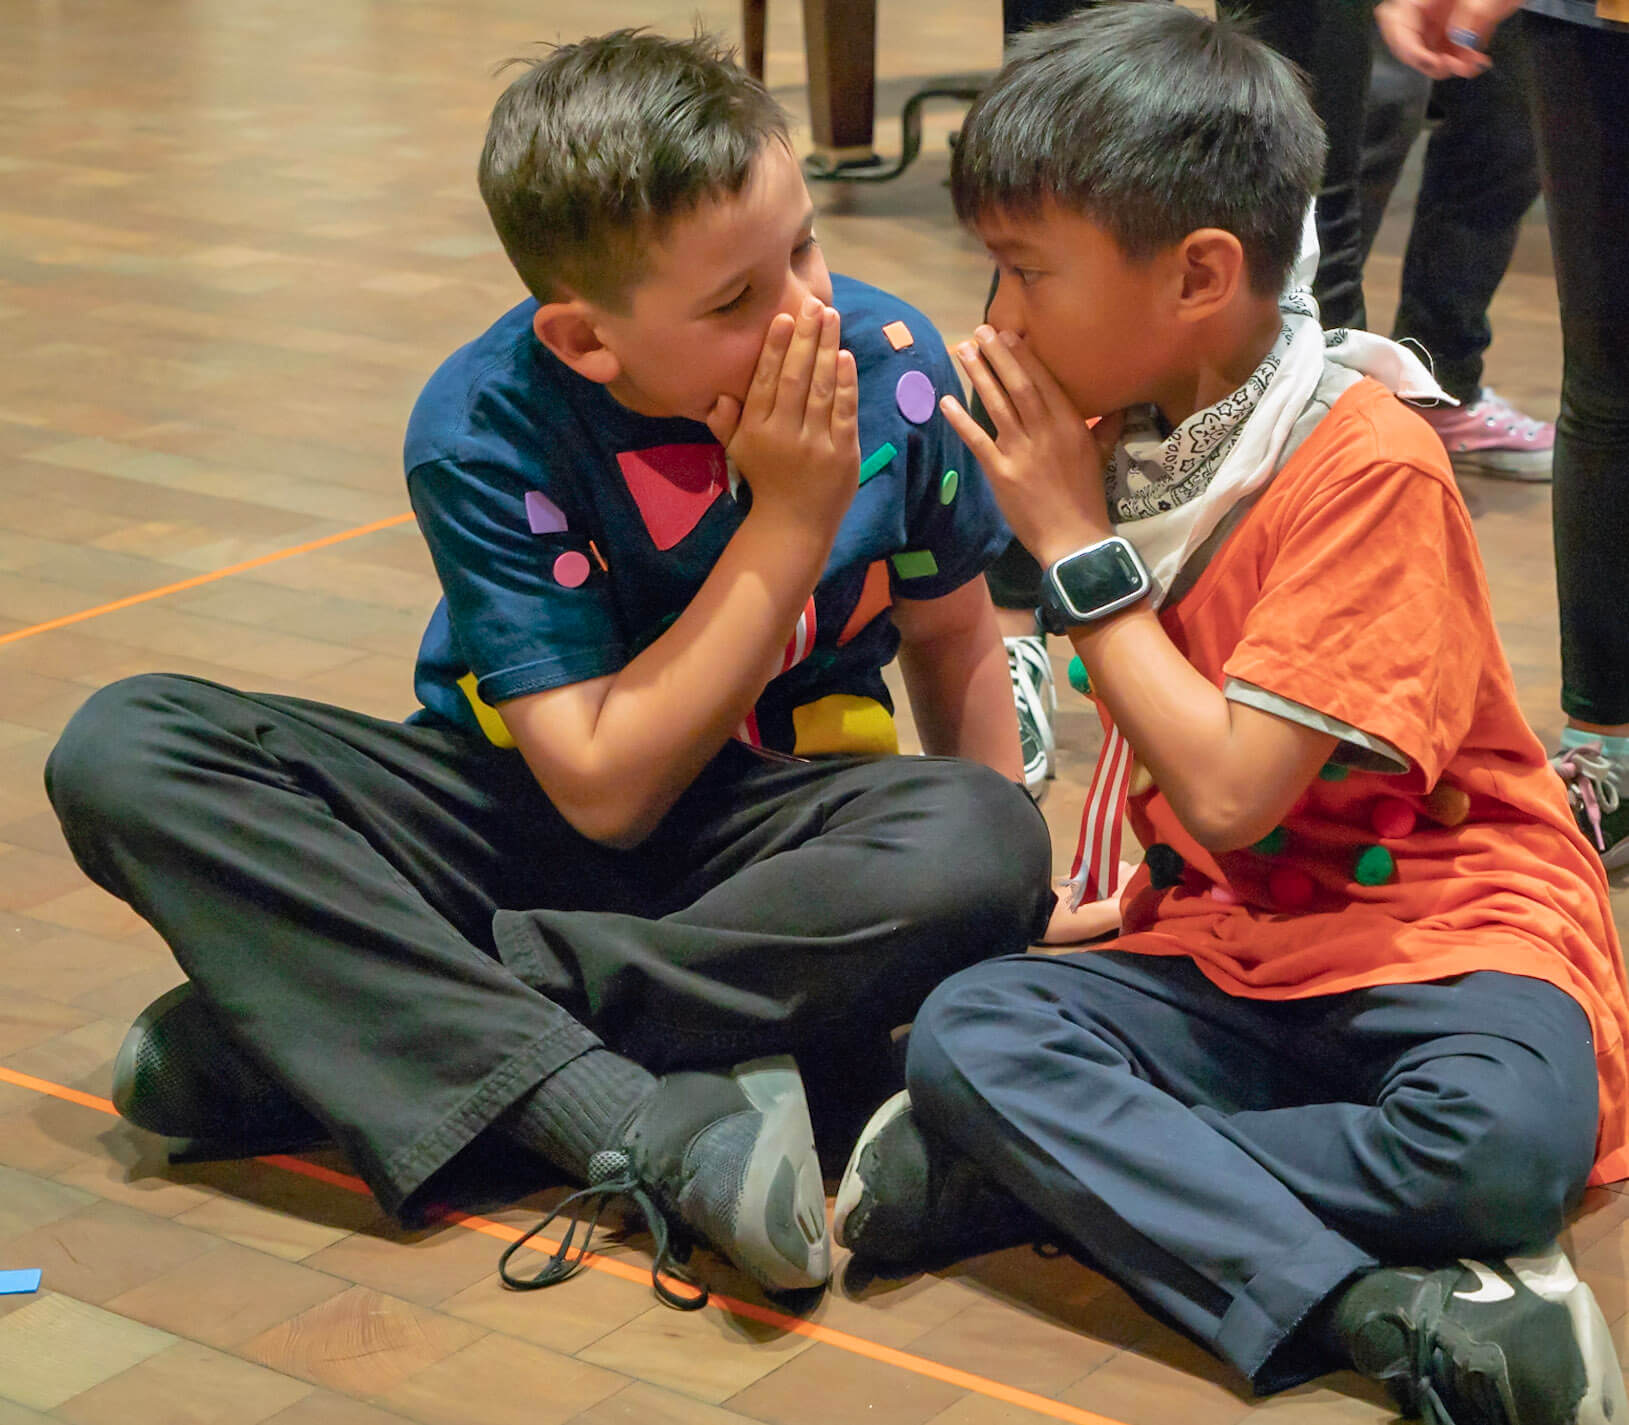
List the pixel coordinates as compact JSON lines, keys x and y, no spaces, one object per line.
{"x":1167,"y":494}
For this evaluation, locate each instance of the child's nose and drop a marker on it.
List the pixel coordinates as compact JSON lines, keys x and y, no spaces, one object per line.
{"x":1005,"y":312}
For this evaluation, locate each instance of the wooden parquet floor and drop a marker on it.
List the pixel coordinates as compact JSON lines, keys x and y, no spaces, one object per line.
{"x":234,"y":240}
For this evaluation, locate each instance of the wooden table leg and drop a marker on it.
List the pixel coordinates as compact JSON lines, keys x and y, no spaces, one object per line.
{"x":840,"y":38}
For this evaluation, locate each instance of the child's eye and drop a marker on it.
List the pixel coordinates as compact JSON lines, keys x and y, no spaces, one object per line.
{"x":808,"y":245}
{"x":735,"y":302}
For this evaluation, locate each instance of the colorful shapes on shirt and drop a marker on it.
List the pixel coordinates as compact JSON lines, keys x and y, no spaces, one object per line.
{"x":949,"y":483}
{"x":1079,"y":679}
{"x":1334,"y":772}
{"x":1374,"y":866}
{"x":877,"y":461}
{"x":493,"y":727}
{"x":875,"y":596}
{"x":599,"y":558}
{"x":20,"y":1282}
{"x":1392,"y":818}
{"x":571,"y":569}
{"x":543,"y":516}
{"x":843,"y":722}
{"x":1165,"y":866}
{"x":915,"y":564}
{"x":899,"y":335}
{"x":915,"y":397}
{"x":673,"y":486}
{"x":1273,"y":842}
{"x":1224,"y":895}
{"x":1290,"y":887}
{"x":1446,"y":805}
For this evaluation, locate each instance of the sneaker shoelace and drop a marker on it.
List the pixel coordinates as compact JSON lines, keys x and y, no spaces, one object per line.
{"x":610,"y":1175}
{"x":1496,"y":411}
{"x":1030,"y":671}
{"x":1592,"y":783}
{"x":1427,"y":1310}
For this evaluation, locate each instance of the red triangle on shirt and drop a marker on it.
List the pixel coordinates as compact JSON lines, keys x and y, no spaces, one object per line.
{"x":674,"y":486}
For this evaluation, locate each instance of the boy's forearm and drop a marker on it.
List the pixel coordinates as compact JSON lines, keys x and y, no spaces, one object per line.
{"x":665,"y":715}
{"x":955,"y":671}
{"x":1230,"y":773}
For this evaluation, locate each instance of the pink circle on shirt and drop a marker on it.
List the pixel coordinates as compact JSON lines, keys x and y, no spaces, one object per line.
{"x":916,"y":397}
{"x":571,"y":569}
{"x":1224,"y":895}
{"x":1392,"y":819}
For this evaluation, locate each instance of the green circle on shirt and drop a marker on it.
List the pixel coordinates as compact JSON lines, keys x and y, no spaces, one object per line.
{"x":948,"y":487}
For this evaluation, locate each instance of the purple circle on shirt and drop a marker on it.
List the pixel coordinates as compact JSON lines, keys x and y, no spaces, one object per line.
{"x":916,"y":397}
{"x":571,"y":569}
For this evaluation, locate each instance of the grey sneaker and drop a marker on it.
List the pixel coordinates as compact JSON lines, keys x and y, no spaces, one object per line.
{"x":1036,"y":698}
{"x":180,"y":1074}
{"x":909,"y":1199}
{"x":726,"y":1156}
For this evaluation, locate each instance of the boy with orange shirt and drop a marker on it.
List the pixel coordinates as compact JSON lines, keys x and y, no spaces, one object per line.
{"x":1366,"y":1017}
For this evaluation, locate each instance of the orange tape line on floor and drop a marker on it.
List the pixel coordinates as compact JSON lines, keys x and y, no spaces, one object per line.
{"x":826,"y":1335}
{"x":256,"y":563}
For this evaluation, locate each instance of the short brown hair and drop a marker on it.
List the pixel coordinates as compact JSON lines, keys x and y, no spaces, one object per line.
{"x":599,"y":145}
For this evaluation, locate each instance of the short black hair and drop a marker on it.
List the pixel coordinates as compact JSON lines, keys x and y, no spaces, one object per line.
{"x":1151,"y":121}
{"x":599,"y":145}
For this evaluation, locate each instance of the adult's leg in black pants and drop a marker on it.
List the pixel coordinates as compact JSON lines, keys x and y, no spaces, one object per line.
{"x":1480,"y":176}
{"x":1234,"y":1163}
{"x":1580,"y":76}
{"x":1329,"y":40}
{"x":329,"y":882}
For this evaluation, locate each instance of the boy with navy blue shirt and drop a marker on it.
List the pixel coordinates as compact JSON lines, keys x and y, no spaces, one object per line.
{"x":638,"y":832}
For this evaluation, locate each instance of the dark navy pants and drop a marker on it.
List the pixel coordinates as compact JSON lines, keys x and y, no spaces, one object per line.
{"x":395,"y":922}
{"x":1231,"y":1162}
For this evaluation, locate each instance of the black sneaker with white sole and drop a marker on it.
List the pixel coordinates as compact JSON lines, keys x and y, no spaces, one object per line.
{"x":1514,"y":1342}
{"x":727,"y":1157}
{"x":908,"y":1199}
{"x":180,"y":1074}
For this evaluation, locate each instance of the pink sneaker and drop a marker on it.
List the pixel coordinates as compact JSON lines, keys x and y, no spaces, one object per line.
{"x":1491,"y":437}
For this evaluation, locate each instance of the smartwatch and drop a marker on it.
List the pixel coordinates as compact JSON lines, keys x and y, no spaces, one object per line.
{"x":1092,"y":583}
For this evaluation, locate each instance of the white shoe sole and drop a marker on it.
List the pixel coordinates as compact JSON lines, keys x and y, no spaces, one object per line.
{"x":853,"y":1186}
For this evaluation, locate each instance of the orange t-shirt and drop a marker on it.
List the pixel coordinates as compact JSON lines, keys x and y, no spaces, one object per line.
{"x":1354,"y":588}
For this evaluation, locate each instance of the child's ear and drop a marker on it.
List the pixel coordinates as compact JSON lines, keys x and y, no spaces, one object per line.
{"x":567,"y":329}
{"x":1212,"y":272}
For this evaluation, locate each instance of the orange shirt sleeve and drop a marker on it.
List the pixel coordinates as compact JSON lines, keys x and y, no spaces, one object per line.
{"x":1367,"y":612}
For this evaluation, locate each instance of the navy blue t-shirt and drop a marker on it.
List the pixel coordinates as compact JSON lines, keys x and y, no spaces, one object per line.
{"x":568,"y":532}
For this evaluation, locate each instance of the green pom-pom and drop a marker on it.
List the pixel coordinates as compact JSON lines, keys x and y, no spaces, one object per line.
{"x":1334,"y":772}
{"x":1273,"y":842}
{"x":1077,"y":677}
{"x":1374,"y":867}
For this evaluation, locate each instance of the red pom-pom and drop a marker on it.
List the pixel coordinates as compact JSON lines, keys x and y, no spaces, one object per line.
{"x":1290,"y":887}
{"x":1392,"y":819}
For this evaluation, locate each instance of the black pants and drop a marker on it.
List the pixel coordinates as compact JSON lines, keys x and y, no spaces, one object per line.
{"x":1232,"y":1162}
{"x":1580,"y":87}
{"x":1480,"y":175}
{"x":331,"y":883}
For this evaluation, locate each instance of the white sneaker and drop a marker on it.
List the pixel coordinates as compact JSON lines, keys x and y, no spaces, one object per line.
{"x":1036,"y":699}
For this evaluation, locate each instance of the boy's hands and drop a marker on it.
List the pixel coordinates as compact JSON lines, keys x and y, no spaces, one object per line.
{"x":796,"y":438}
{"x":1045,"y":466}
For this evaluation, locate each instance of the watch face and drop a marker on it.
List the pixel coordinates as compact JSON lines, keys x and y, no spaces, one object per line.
{"x":1095,"y":580}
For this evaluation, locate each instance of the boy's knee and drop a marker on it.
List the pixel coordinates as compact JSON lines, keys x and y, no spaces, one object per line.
{"x":98,"y":765}
{"x":987,"y":849}
{"x":1508,"y":1169}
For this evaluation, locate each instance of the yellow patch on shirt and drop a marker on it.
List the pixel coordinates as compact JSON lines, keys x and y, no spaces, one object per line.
{"x":842,"y":722}
{"x":496,"y":730}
